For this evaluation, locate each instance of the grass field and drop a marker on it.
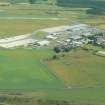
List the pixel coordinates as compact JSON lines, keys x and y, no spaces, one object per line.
{"x":76,"y":96}
{"x":81,"y":96}
{"x":22,"y":69}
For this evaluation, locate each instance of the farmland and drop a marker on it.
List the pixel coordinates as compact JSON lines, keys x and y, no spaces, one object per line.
{"x":23,"y":69}
{"x":22,"y":19}
{"x":78,"y":77}
{"x":50,"y":80}
{"x":79,"y":69}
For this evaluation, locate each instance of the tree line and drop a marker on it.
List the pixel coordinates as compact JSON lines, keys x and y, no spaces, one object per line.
{"x":97,"y":6}
{"x":74,"y":3}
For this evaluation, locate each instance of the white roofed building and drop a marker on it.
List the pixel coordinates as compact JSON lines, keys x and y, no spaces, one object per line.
{"x":43,"y":43}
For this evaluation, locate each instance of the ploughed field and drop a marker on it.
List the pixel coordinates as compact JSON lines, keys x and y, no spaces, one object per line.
{"x":80,"y":68}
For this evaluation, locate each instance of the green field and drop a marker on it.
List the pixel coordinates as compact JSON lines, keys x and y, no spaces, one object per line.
{"x":23,"y":69}
{"x":81,"y":96}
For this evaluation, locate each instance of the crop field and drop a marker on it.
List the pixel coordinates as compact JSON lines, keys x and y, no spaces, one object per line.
{"x":80,"y":69}
{"x":18,"y":27}
{"x":83,"y":74}
{"x":23,"y":69}
{"x":69,"y":78}
{"x":79,"y":96}
{"x":22,"y":19}
{"x":17,"y":20}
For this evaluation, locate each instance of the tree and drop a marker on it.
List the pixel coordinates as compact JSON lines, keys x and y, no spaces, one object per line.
{"x":55,"y":57}
{"x":66,"y":49}
{"x":57,"y":49}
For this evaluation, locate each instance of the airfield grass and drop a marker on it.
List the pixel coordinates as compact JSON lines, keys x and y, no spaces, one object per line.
{"x":23,"y":69}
